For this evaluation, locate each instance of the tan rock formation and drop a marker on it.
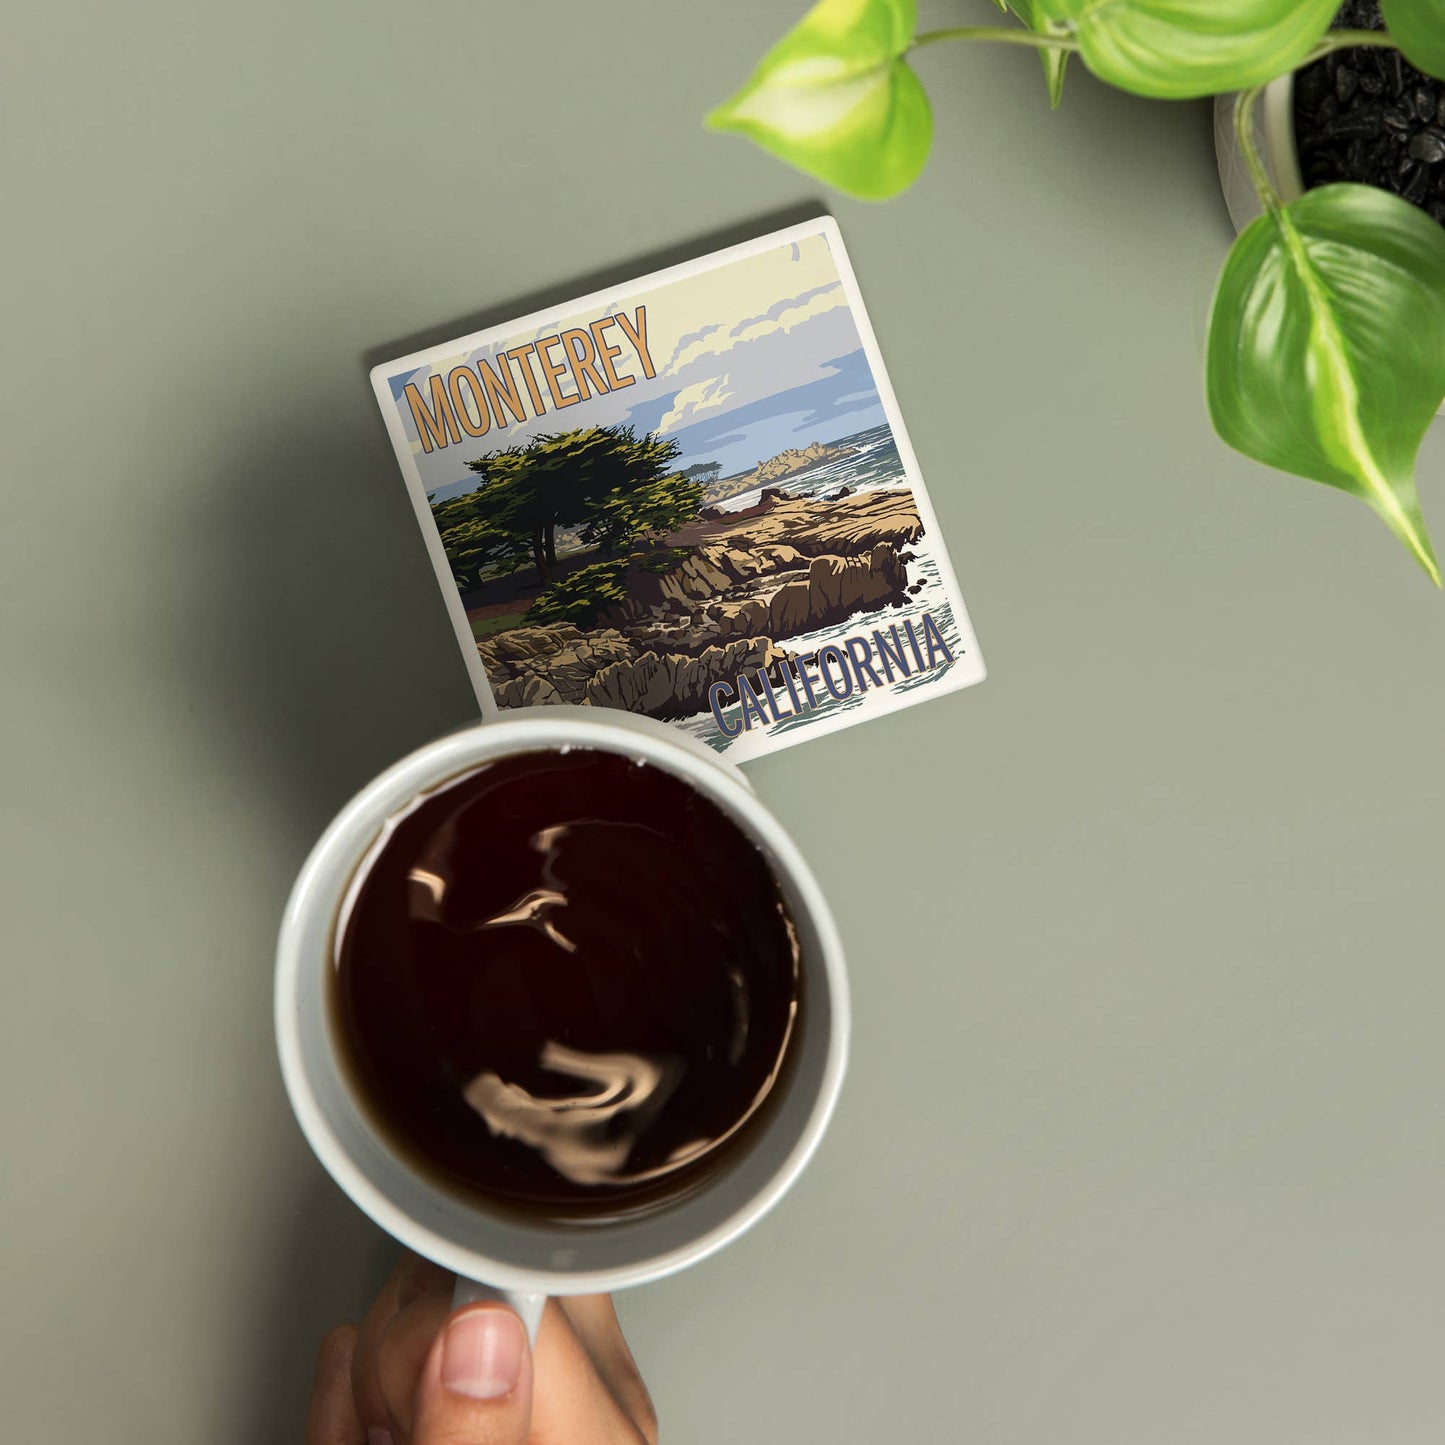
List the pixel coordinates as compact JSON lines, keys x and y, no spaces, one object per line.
{"x":789,"y":463}
{"x":748,"y":583}
{"x":670,"y":685}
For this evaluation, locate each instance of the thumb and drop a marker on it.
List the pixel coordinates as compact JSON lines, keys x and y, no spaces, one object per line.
{"x":476,"y":1385}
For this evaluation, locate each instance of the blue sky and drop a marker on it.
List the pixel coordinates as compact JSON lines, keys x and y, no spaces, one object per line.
{"x":838,"y":404}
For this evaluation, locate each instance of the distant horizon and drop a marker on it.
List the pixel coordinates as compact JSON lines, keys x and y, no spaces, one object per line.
{"x":816,"y":434}
{"x":802,"y":446}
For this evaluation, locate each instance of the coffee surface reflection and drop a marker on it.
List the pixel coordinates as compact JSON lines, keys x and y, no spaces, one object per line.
{"x":566,"y":983}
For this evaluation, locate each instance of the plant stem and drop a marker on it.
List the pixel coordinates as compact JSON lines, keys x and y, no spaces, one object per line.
{"x":1246,"y":99}
{"x":1351,"y":40}
{"x":998,"y":35}
{"x":1244,"y":131}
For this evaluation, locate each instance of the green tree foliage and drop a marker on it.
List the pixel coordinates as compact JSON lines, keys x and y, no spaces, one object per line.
{"x":605,"y":481}
{"x":476,"y":548}
{"x":592,"y":590}
{"x":660,"y":506}
{"x":579,"y":598}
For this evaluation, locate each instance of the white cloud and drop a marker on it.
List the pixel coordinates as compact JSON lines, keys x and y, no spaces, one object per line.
{"x":779,"y":319}
{"x":722,"y":340}
{"x":691,"y":339}
{"x":693,"y":400}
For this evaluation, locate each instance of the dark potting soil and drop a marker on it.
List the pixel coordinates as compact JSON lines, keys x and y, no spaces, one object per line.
{"x":1367,"y":116}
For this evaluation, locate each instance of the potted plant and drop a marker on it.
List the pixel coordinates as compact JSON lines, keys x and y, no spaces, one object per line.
{"x":1326,"y":351}
{"x":1363,"y":115}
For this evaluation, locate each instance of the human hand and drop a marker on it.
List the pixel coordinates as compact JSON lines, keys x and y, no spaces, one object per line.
{"x":416,"y":1374}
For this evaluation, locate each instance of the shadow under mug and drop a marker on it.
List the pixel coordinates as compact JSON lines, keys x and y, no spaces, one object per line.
{"x":505,"y":1256}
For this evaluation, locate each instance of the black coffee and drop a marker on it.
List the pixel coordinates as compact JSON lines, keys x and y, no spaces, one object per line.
{"x":566,"y":982}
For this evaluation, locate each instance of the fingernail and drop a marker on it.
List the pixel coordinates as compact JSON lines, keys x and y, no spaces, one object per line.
{"x":482,"y":1354}
{"x":377,"y":1436}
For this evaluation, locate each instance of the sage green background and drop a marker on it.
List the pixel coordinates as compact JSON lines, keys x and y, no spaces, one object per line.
{"x":1142,"y":1141}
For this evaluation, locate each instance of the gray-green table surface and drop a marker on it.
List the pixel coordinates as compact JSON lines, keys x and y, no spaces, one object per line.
{"x":1142,"y":1140}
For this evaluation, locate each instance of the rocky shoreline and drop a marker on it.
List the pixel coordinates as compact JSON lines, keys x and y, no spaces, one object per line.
{"x":786,"y":464}
{"x":751,"y":580}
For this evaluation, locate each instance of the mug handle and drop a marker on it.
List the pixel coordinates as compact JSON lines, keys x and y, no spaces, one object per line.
{"x":528,"y":1306}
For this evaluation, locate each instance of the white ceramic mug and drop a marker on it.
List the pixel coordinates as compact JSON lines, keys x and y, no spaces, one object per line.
{"x":496,"y":1255}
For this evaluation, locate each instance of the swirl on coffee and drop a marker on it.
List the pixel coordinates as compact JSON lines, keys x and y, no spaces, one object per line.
{"x":566,"y":983}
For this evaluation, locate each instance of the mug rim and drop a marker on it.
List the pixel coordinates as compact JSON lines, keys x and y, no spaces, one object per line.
{"x":343,"y":845}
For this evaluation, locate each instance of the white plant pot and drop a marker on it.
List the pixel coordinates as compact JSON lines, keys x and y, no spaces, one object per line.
{"x":1274,"y":138}
{"x":1275,"y":141}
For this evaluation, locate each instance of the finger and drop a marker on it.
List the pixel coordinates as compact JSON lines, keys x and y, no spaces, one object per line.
{"x":476,"y":1384}
{"x":402,"y":1356}
{"x":331,"y":1418}
{"x":571,"y":1403}
{"x":595,"y":1322}
{"x":412,"y":1278}
{"x":588,"y":1387}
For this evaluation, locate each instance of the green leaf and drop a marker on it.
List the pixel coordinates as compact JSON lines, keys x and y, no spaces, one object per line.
{"x":1054,"y":63}
{"x":1181,"y":49}
{"x":835,"y":98}
{"x":1033,"y":15}
{"x":1418,"y":27}
{"x":1327,"y":347}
